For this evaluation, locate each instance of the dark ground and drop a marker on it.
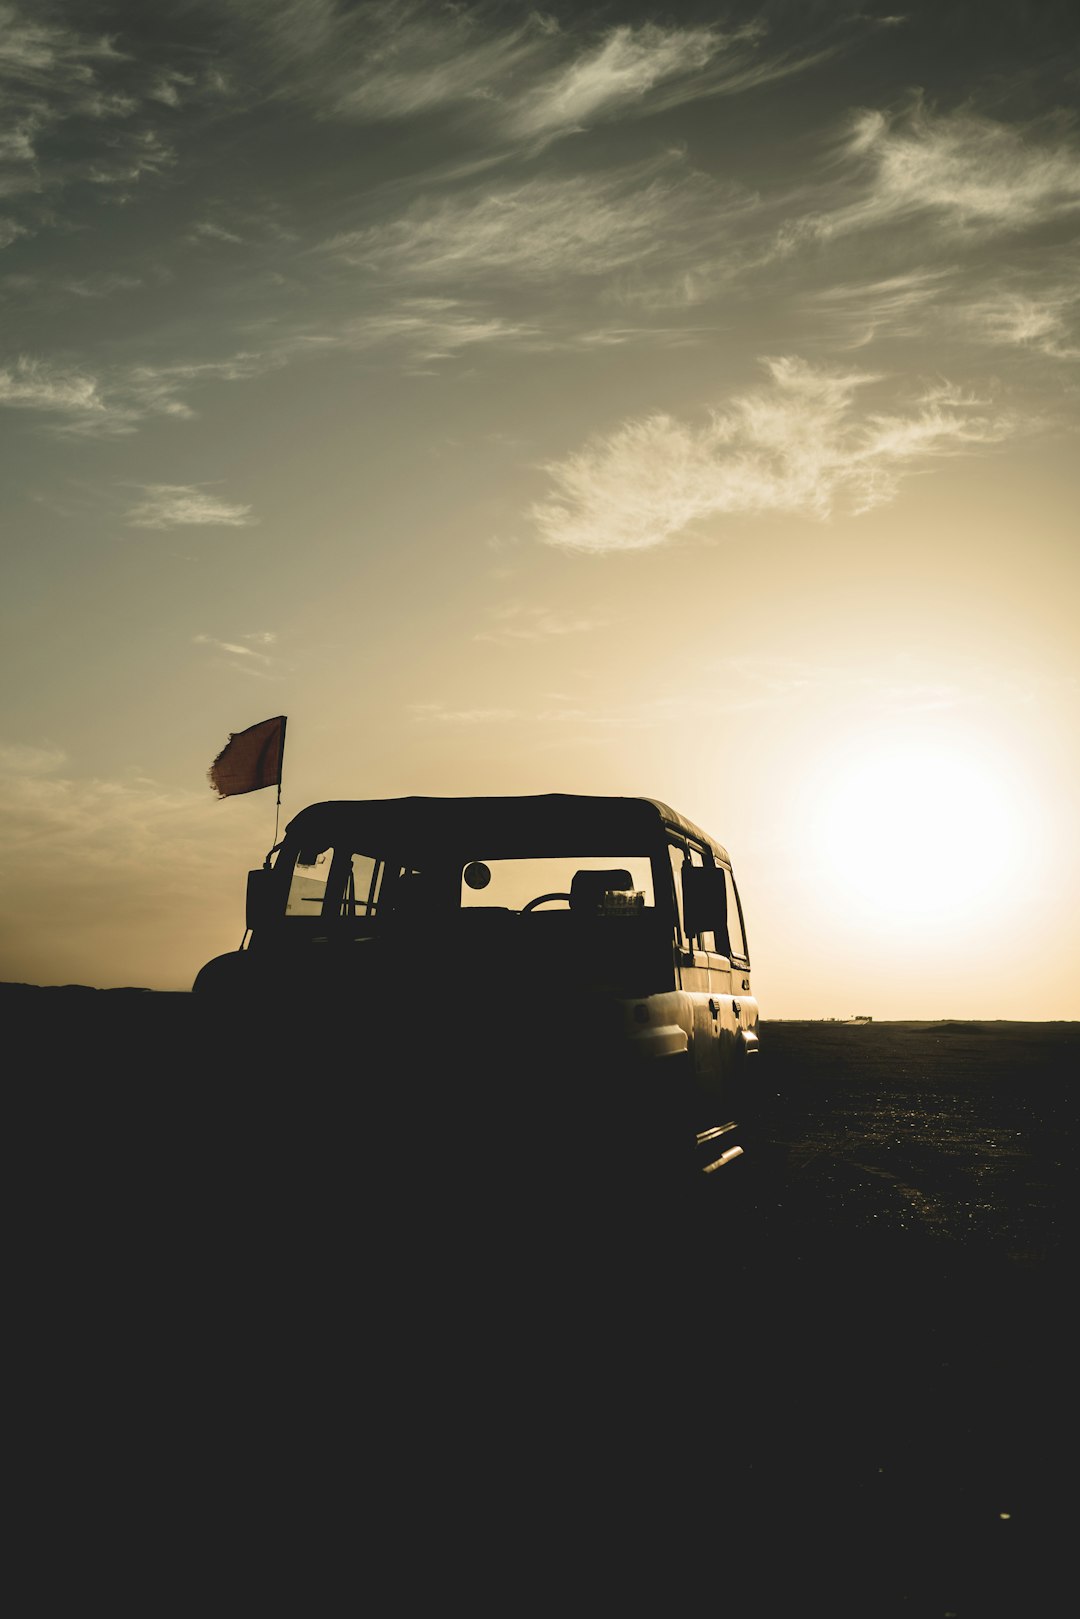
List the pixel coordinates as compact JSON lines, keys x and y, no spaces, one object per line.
{"x":843,"y":1384}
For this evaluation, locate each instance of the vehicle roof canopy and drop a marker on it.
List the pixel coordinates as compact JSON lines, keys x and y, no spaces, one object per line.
{"x":540,"y":824}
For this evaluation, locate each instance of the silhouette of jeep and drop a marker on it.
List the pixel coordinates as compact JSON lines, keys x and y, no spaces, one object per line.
{"x":505,"y":966}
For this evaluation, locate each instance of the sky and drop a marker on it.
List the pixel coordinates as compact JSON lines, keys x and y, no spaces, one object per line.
{"x":675,"y":402}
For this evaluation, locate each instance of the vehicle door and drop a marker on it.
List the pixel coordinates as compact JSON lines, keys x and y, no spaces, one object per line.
{"x":723,"y":1006}
{"x":693,"y":962}
{"x":744,"y":1006}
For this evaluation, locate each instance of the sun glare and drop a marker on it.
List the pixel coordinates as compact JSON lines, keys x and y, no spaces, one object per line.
{"x":917,"y":833}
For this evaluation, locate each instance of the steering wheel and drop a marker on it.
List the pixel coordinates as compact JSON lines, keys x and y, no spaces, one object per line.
{"x":542,"y":899}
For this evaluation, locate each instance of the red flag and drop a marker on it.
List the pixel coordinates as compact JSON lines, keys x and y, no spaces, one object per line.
{"x":250,"y":759}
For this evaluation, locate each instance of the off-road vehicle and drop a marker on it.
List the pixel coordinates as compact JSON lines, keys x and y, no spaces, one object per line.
{"x":555,"y":969}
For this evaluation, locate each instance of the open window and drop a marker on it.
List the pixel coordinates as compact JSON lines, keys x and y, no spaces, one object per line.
{"x":599,"y":885}
{"x":736,"y":932}
{"x":701,"y":897}
{"x":334,"y":883}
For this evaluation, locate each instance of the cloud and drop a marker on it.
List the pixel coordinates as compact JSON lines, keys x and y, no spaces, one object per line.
{"x":754,"y":683}
{"x":428,"y":329}
{"x":741,"y":690}
{"x":378,"y":60}
{"x":74,"y":109}
{"x":1045,"y":321}
{"x":438,"y":713}
{"x":32,"y":384}
{"x":247,"y":655}
{"x":107,"y":105}
{"x":1032,"y":305}
{"x":532,"y":80}
{"x":92,"y":820}
{"x":519,"y":621}
{"x":91,"y":895}
{"x":206,"y":230}
{"x":145,"y":390}
{"x":169,"y":87}
{"x":622,"y":67}
{"x":41,"y":294}
{"x":852,"y":315}
{"x":181,"y":505}
{"x":143,"y":153}
{"x":630,"y":65}
{"x":32,"y":50}
{"x":795,"y":446}
{"x":16,"y":143}
{"x":233,"y":647}
{"x":23,"y":759}
{"x":971,"y":172}
{"x":102,"y":285}
{"x":48,"y":73}
{"x":483,"y":81}
{"x":116,"y":402}
{"x":550,"y":228}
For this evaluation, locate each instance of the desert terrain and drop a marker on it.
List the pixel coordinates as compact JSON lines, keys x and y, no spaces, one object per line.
{"x":841,"y":1381}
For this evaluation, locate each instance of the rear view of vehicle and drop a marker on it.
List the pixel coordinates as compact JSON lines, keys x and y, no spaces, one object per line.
{"x":555,"y":983}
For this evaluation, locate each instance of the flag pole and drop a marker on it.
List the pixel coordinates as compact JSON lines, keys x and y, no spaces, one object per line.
{"x":281,"y":772}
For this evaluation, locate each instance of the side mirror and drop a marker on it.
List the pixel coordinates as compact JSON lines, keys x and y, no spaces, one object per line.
{"x":704,"y":900}
{"x":260,"y":895}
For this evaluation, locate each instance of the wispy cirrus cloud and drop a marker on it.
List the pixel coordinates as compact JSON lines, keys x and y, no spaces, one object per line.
{"x":378,"y":60}
{"x":647,"y":68}
{"x":27,"y":759}
{"x":797,"y":446}
{"x":144,"y":153}
{"x":757,"y":682}
{"x":247,"y":655}
{"x":49,"y":71}
{"x":439,"y":713}
{"x":170,"y":505}
{"x":933,"y":195}
{"x":524,"y":621}
{"x":425,"y":330}
{"x":144,"y":390}
{"x":853,"y":314}
{"x":170,"y":86}
{"x":1043,"y":320}
{"x":95,"y":819}
{"x":42,"y":294}
{"x":246,"y":647}
{"x":1032,"y":304}
{"x":545,"y":228}
{"x":103,"y":284}
{"x":969,"y":172}
{"x":116,"y":401}
{"x":623,"y":67}
{"x":85,"y":885}
{"x":32,"y":384}
{"x":78,"y":106}
{"x":205,"y":230}
{"x":736,"y":692}
{"x":528,"y":81}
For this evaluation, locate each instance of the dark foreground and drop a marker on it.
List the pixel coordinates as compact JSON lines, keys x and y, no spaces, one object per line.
{"x":250,"y":1319}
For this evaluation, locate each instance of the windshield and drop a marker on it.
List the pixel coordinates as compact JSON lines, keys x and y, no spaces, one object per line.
{"x":600,"y":884}
{"x":349,"y":884}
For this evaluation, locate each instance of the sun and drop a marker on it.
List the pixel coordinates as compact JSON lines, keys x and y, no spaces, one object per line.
{"x":917,"y":832}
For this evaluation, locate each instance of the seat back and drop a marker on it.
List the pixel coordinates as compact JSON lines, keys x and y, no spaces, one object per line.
{"x":588,"y":888}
